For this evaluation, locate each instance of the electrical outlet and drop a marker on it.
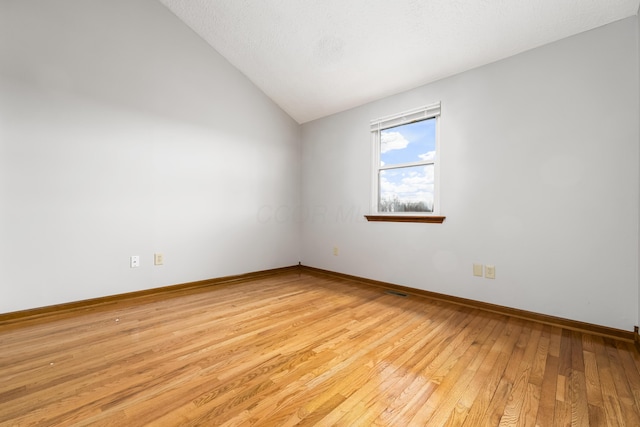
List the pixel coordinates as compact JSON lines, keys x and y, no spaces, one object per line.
{"x":335,"y":251}
{"x":477,"y":270}
{"x":490,"y":271}
{"x":158,"y":259}
{"x":135,"y":261}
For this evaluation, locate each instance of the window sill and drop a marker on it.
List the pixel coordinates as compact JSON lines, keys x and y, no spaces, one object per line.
{"x":406,"y":218}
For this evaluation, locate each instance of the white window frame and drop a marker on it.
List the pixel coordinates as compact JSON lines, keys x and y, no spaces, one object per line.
{"x":410,"y":116}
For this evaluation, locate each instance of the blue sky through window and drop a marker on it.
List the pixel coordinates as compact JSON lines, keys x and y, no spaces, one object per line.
{"x":407,"y":189}
{"x":412,"y":142}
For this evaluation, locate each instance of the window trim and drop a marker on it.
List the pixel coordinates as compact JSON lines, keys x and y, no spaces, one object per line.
{"x":394,"y":120}
{"x":430,"y":219}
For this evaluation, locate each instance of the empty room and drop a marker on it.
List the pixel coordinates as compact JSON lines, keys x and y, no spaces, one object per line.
{"x":354,"y":213}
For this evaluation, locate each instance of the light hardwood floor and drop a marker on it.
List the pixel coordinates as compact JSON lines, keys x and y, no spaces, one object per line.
{"x":300,"y":349}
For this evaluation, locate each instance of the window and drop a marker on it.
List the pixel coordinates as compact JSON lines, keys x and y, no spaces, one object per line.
{"x":405,"y":166}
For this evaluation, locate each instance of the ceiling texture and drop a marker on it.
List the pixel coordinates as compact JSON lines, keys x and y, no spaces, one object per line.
{"x":319,"y":57}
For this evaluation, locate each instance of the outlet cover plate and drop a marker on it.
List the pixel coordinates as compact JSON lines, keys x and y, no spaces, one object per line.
{"x":158,"y":259}
{"x":134,"y":261}
{"x":490,"y":271}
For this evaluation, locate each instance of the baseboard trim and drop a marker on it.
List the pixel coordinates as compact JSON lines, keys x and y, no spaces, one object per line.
{"x":494,"y":308}
{"x":77,"y":307}
{"x":636,"y":338}
{"x":72,"y":308}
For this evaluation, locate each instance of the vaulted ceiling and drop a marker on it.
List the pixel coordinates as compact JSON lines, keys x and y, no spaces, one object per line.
{"x":319,"y":57}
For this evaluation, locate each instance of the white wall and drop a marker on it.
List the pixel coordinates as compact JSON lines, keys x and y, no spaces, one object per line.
{"x":123,"y":133}
{"x":539,"y":177}
{"x":638,"y":61}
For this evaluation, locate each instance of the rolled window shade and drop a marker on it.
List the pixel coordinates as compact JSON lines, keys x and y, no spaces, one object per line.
{"x":410,"y":116}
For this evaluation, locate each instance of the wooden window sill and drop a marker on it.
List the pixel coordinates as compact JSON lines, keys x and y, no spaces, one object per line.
{"x":406,"y":218}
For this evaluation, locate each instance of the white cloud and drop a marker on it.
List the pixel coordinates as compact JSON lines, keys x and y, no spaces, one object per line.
{"x":392,"y":141}
{"x":428,"y":156}
{"x":411,"y":185}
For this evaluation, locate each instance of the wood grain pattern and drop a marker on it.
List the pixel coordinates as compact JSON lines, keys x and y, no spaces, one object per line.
{"x":301,"y":349}
{"x":69,"y":308}
{"x":494,"y":308}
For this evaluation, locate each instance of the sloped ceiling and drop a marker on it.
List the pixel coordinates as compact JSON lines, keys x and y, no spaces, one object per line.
{"x":319,"y":57}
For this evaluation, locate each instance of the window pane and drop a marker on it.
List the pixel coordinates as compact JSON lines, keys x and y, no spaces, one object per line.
{"x":412,"y":142}
{"x":406,"y":189}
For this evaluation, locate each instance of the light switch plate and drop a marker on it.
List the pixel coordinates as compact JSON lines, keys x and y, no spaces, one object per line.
{"x":477,"y":270}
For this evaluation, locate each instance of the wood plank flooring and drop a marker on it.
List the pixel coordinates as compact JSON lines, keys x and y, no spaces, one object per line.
{"x":300,"y":349}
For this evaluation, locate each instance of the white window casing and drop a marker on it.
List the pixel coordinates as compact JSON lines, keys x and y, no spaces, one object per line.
{"x":403,"y":118}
